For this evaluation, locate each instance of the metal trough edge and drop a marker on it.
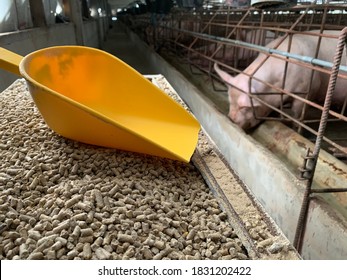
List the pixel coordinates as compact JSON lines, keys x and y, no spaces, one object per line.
{"x":228,"y":188}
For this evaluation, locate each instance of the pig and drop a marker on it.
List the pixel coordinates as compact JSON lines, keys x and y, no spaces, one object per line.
{"x":257,"y":37}
{"x":272,"y":72}
{"x":231,"y":53}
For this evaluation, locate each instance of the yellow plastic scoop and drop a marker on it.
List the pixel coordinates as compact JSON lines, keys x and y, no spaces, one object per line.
{"x":93,"y":97}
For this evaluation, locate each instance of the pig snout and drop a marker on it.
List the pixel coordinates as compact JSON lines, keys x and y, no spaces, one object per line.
{"x":243,"y":117}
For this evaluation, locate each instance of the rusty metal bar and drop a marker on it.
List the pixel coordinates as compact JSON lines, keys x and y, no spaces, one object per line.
{"x":205,"y":27}
{"x":305,"y":107}
{"x":311,"y":161}
{"x":307,"y":59}
{"x":232,"y":31}
{"x":283,"y":58}
{"x":330,"y":190}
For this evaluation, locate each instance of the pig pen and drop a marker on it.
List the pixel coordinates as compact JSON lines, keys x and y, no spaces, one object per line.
{"x":269,"y":160}
{"x":62,"y":199}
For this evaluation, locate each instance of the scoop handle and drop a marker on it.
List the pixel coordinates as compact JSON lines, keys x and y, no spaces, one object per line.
{"x":9,"y":61}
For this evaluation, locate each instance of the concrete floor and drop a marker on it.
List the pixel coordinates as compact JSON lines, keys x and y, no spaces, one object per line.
{"x":118,"y":44}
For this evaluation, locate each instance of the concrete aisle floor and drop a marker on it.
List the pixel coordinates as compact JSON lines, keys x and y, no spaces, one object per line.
{"x":118,"y":43}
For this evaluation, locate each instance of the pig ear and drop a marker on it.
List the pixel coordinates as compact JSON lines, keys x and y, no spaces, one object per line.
{"x":224,"y":75}
{"x":245,"y":101}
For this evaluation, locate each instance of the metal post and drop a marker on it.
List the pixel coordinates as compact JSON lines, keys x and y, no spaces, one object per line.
{"x":37,"y":13}
{"x":75,"y":15}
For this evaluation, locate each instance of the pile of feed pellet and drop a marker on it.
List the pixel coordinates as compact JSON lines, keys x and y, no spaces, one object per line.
{"x":60,"y":199}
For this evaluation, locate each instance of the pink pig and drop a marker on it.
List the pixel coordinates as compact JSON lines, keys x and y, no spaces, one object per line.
{"x":272,"y":72}
{"x":229,"y":53}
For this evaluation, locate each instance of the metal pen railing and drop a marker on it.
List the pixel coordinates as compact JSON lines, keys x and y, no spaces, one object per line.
{"x":191,"y":46}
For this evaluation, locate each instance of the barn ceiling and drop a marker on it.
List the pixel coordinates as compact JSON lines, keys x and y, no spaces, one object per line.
{"x":115,"y":4}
